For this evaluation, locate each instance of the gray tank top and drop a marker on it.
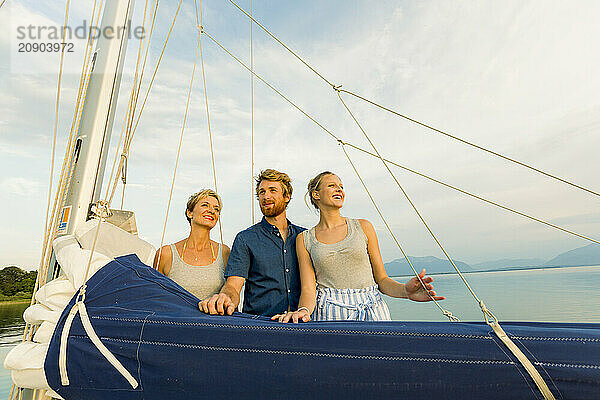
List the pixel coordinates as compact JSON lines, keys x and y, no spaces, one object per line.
{"x":341,"y":265}
{"x":201,"y":281}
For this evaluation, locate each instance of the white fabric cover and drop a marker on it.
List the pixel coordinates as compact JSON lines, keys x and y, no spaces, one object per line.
{"x":113,"y":241}
{"x":28,"y":355}
{"x":56,"y":294}
{"x":53,"y":394}
{"x":74,"y":261}
{"x":38,"y":313}
{"x":44,"y":332}
{"x":26,"y":361}
{"x":30,"y":378}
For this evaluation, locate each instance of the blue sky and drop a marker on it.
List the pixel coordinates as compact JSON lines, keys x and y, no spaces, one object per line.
{"x":517,"y":76}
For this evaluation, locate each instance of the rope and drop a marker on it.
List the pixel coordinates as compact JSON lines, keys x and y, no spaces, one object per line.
{"x":68,"y":161}
{"x":131,"y":127}
{"x":65,"y":178}
{"x":133,"y":97}
{"x":52,"y":157}
{"x":212,"y":153}
{"x":136,"y":90}
{"x":409,"y":200}
{"x":281,"y":43}
{"x":489,"y":317}
{"x":55,"y":133}
{"x":448,"y":314}
{"x":155,"y":71}
{"x":215,"y":41}
{"x":187,"y":106}
{"x":444,"y":312}
{"x":539,"y":171}
{"x":129,"y":107}
{"x":337,"y":88}
{"x":504,"y":207}
{"x":51,"y":224}
{"x":333,"y":136}
{"x":252,"y":114}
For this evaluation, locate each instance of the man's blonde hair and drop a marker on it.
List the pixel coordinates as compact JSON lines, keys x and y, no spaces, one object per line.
{"x":196,"y":197}
{"x":275,"y":176}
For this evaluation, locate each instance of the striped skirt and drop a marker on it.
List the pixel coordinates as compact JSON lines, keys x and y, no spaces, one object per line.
{"x":350,"y":304}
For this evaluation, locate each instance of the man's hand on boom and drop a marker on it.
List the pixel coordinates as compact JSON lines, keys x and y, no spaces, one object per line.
{"x":217,"y":304}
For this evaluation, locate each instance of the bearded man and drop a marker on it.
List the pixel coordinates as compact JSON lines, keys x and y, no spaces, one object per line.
{"x":263,"y":256}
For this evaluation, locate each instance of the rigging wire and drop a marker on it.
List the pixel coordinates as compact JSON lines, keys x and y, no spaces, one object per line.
{"x":54,"y":136}
{"x":137,"y":120}
{"x":494,"y":153}
{"x":281,"y":43}
{"x":414,"y":207}
{"x":65,"y":178}
{"x":487,"y":313}
{"x":212,"y":152}
{"x":252,"y":191}
{"x":146,"y":52}
{"x":51,"y":224}
{"x":406,"y":257}
{"x":338,"y":89}
{"x":446,"y":313}
{"x":506,"y":208}
{"x":56,"y":117}
{"x":269,"y":85}
{"x":187,"y":106}
{"x":131,"y":131}
{"x":129,"y":110}
{"x":333,"y":136}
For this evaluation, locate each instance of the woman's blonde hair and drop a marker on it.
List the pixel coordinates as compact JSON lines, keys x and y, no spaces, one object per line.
{"x":196,"y":197}
{"x":275,"y":176}
{"x":313,"y":185}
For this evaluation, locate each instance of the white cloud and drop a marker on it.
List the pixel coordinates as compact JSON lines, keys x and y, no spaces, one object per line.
{"x":20,"y":187}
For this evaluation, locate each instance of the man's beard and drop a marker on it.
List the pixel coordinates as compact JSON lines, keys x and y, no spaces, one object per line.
{"x":274,"y":211}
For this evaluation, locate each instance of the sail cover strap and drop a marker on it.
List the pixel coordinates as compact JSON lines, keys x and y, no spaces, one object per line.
{"x":535,"y":375}
{"x":79,"y":306}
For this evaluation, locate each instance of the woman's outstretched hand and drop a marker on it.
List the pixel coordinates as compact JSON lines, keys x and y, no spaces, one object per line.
{"x":295,"y":316}
{"x":416,"y":292}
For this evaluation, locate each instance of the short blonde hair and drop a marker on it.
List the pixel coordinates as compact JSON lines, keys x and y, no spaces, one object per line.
{"x":275,"y":176}
{"x":313,"y":185}
{"x":196,"y":197}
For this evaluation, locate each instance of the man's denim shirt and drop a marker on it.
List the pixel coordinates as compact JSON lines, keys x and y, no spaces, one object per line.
{"x":270,"y":267}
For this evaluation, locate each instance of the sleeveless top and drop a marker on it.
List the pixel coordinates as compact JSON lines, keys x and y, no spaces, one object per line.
{"x":201,"y":281}
{"x":341,"y":265}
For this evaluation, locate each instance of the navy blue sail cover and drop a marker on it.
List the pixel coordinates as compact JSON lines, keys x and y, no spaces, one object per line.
{"x":174,"y":351}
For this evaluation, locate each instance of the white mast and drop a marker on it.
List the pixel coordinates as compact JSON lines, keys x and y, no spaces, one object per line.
{"x":99,"y":111}
{"x":95,"y":127}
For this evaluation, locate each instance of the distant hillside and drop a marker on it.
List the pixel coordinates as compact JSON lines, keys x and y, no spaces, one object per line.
{"x":16,"y":284}
{"x":587,"y":255}
{"x":507,"y":263}
{"x":433,"y":265}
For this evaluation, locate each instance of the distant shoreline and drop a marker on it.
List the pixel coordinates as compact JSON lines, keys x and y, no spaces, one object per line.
{"x":15,"y":301}
{"x":506,"y":269}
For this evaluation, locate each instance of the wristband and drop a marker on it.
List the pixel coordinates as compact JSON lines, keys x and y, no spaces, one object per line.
{"x":303,"y":308}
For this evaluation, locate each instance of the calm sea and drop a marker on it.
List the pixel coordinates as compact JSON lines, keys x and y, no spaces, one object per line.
{"x":550,"y":295}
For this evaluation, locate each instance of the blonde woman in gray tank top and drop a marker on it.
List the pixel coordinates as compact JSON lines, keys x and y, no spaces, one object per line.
{"x":197,"y":263}
{"x":341,"y":270}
